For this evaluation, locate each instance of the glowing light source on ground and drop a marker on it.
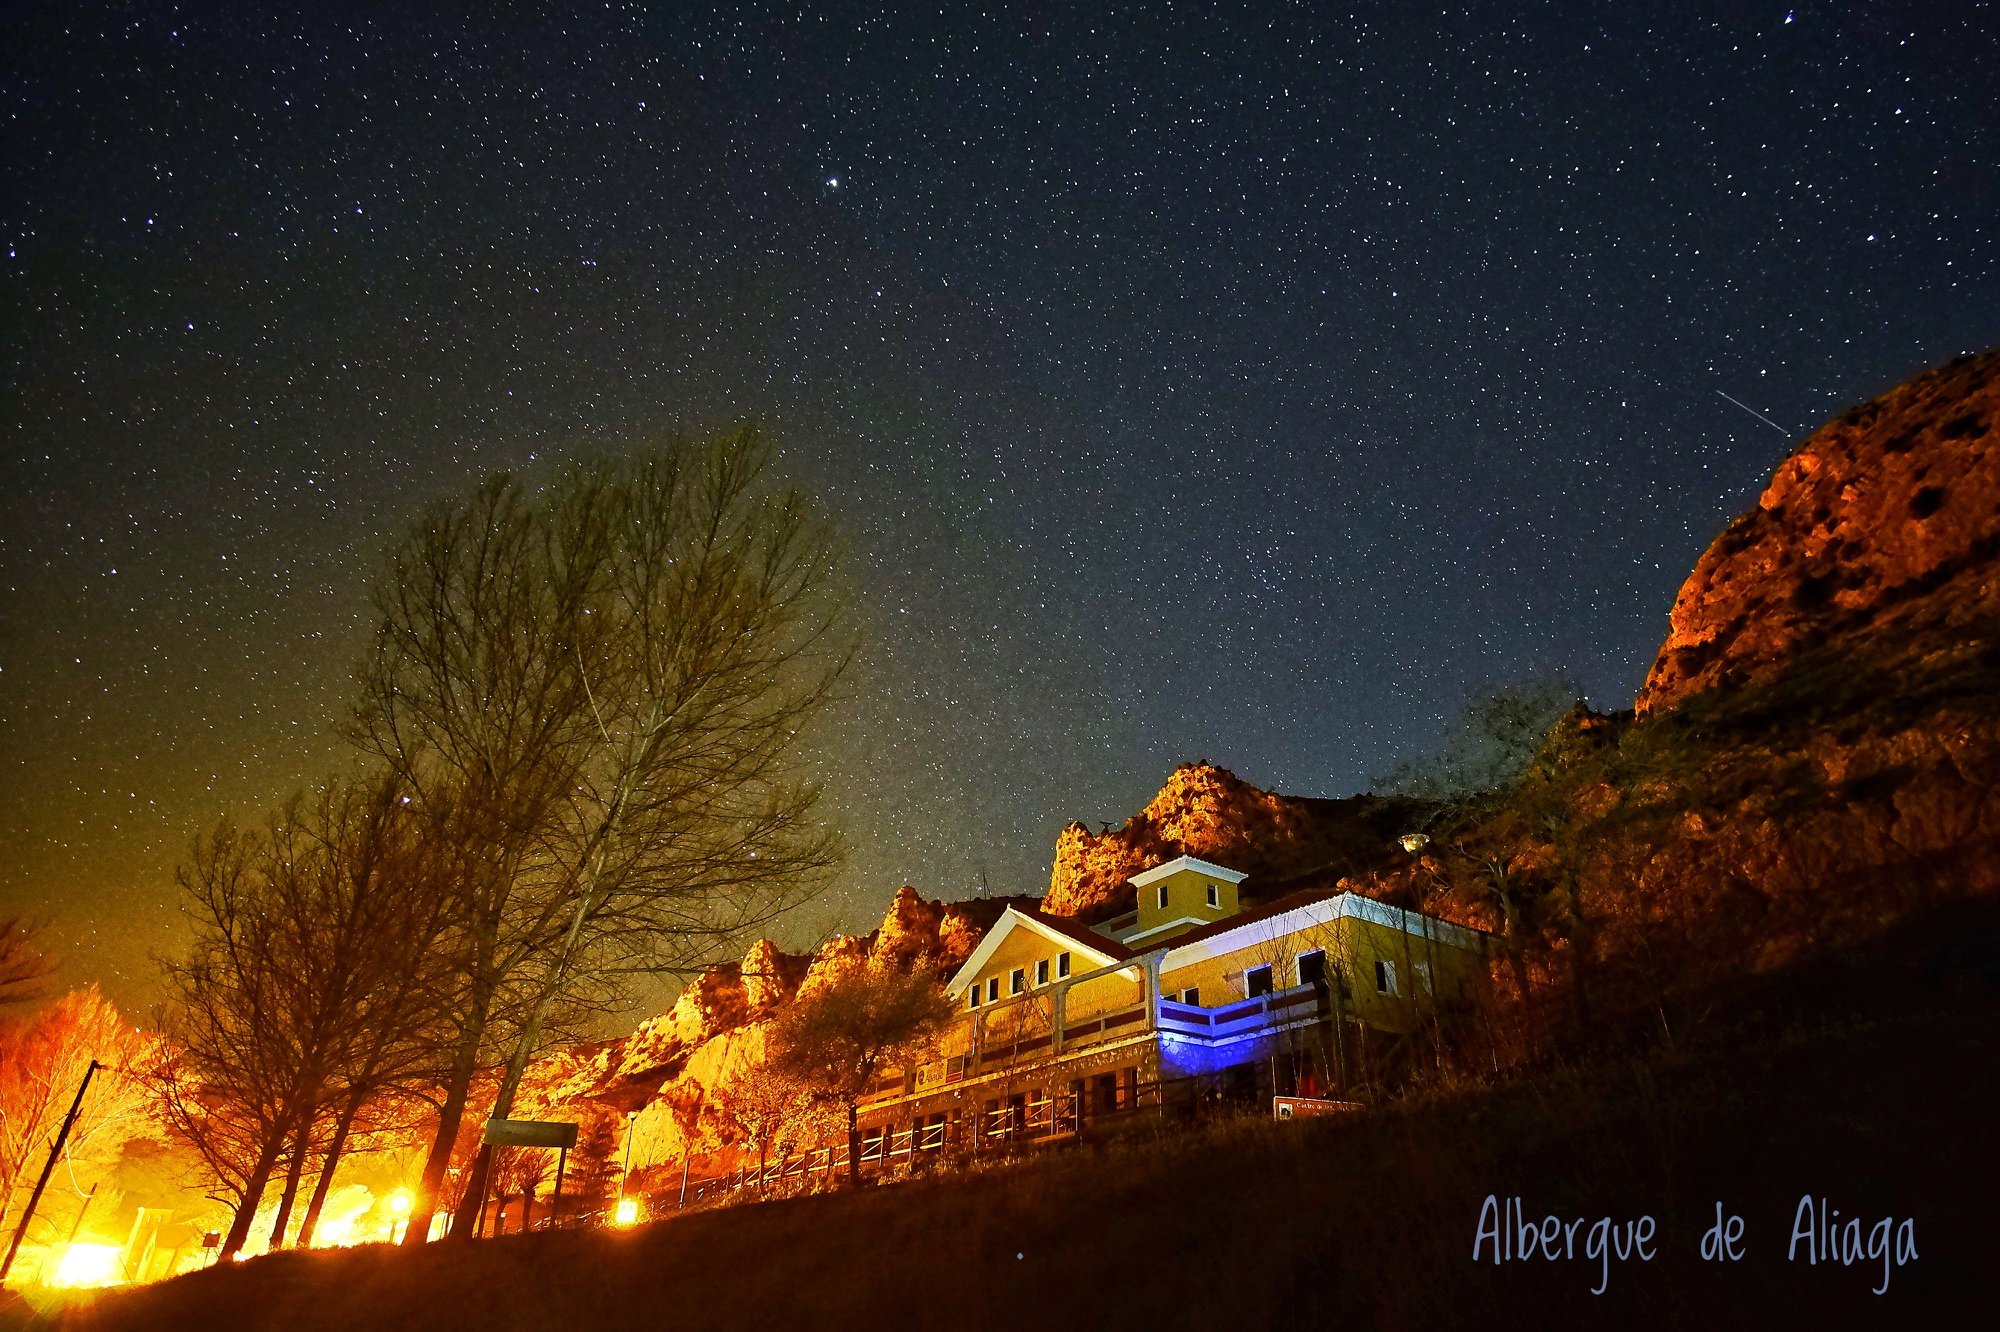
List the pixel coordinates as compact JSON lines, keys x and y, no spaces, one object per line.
{"x":90,"y":1265}
{"x":627,"y":1213}
{"x":400,"y":1203}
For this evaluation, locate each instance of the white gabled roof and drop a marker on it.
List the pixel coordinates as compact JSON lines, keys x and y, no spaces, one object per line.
{"x":1320,"y":913}
{"x":1175,"y":866}
{"x":1011,"y":920}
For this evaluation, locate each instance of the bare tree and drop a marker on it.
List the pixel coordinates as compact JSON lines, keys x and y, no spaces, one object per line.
{"x":309,"y":989}
{"x":24,"y":965}
{"x":392,"y":887}
{"x":837,"y":1036}
{"x":519,"y":1172}
{"x":608,"y":684}
{"x":222,"y":1086}
{"x":1491,"y":745}
{"x":1492,"y":786}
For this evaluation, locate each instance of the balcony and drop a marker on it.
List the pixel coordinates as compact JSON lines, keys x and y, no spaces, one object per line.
{"x":993,"y":1053}
{"x":1244,"y":1017}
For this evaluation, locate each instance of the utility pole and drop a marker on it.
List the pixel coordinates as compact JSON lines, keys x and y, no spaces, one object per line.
{"x":62,"y":1137}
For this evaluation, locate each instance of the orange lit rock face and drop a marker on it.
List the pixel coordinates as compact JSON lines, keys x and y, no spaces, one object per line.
{"x":1211,"y":813}
{"x":682,"y":1058}
{"x":914,"y":932}
{"x":1886,"y":517}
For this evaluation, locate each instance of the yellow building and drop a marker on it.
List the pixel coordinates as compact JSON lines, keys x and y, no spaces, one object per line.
{"x":1188,"y":998}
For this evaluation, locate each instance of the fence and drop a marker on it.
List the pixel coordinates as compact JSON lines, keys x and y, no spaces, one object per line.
{"x":1017,"y":1122}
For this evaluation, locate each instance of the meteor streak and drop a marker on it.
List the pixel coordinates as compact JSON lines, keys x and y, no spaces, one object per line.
{"x":1754,"y":412}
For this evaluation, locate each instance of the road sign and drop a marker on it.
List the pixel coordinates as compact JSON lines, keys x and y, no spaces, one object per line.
{"x":530,"y":1133}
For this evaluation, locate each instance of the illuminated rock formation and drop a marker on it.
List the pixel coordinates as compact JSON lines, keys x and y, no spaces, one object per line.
{"x":1886,"y":519}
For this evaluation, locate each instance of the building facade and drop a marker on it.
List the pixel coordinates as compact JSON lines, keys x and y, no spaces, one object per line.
{"x":1188,"y":998}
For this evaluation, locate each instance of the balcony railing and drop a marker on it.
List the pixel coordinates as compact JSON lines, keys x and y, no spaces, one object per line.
{"x":1243,"y":1017}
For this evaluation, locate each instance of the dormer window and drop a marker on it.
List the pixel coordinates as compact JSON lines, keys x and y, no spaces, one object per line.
{"x":1042,"y":972}
{"x":1018,"y":981}
{"x":1062,"y":965}
{"x":993,"y":990}
{"x":972,"y":997}
{"x":1214,"y":896}
{"x":1163,"y":897}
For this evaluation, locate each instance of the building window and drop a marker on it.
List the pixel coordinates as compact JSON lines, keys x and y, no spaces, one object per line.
{"x":1312,"y":969}
{"x":1257,"y":981}
{"x":1423,"y":977}
{"x":1042,"y":972}
{"x":972,"y":996}
{"x":1192,"y":996}
{"x":1214,"y":896}
{"x":1062,"y":965}
{"x":1018,"y":981}
{"x":993,"y":990}
{"x":1163,"y":897}
{"x":1385,"y":976}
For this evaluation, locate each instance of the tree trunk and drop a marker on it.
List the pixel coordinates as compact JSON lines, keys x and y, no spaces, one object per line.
{"x":450,"y":1114}
{"x":474,"y":1197}
{"x":326,"y":1169}
{"x":531,"y":1029}
{"x":301,"y":1145}
{"x":253,"y":1194}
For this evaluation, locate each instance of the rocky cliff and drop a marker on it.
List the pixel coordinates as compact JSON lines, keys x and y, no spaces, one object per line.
{"x":1886,"y":519}
{"x":1815,"y":756}
{"x":1209,"y":812}
{"x":668,"y":1068}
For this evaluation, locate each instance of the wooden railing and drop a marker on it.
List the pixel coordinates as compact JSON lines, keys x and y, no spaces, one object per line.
{"x":991,"y":1055}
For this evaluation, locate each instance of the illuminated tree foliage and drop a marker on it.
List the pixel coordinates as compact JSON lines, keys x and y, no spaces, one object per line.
{"x":839,"y":1035}
{"x":760,"y":1107}
{"x":43,"y":1058}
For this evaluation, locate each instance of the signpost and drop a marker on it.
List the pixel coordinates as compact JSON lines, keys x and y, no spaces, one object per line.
{"x":531,"y":1133}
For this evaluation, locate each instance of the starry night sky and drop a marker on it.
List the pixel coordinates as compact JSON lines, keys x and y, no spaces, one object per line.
{"x":1248,"y":385}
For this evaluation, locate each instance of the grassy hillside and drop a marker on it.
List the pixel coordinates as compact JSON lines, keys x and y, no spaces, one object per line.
{"x":1869,"y":1081}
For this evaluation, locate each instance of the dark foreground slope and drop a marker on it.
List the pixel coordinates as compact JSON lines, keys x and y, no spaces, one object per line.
{"x":1869,"y":1081}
